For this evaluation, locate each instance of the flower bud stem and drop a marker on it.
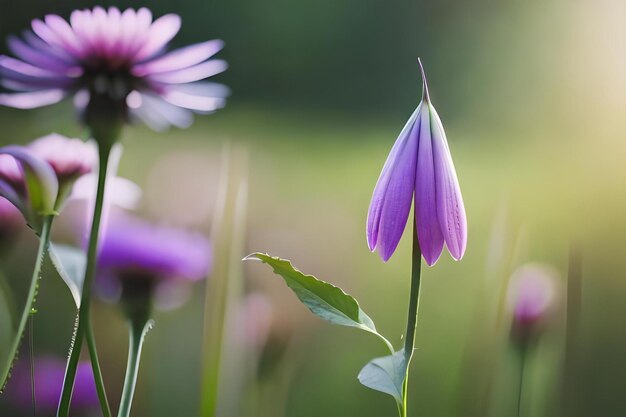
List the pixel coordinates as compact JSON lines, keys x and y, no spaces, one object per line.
{"x":409,"y":341}
{"x":522,"y":366}
{"x":84,"y":328}
{"x":44,"y":241}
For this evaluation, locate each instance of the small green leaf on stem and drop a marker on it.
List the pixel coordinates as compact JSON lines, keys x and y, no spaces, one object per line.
{"x":323,"y":299}
{"x":386,"y":375}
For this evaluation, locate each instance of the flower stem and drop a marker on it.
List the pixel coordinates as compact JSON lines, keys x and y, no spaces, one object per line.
{"x":409,"y":341}
{"x":44,"y":241}
{"x":84,"y":327}
{"x":137,"y":333}
{"x":31,"y":354}
{"x":522,"y":367}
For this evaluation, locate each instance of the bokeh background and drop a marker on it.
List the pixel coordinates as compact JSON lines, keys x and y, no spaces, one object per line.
{"x":532,"y":95}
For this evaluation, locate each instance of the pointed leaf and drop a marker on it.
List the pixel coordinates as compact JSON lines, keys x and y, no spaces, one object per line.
{"x":70,"y":263}
{"x":385,"y":374}
{"x":323,"y":299}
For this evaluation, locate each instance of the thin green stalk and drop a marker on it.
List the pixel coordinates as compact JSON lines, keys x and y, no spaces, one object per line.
{"x":522,"y":367}
{"x":44,"y":241}
{"x":31,"y":354}
{"x":409,"y":341}
{"x":84,"y":318}
{"x":95,"y":365}
{"x":137,"y":333}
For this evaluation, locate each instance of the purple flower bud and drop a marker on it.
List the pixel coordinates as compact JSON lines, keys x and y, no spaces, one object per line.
{"x":532,"y":295}
{"x":49,"y":373}
{"x":419,"y":169}
{"x":117,"y":55}
{"x":36,"y":194}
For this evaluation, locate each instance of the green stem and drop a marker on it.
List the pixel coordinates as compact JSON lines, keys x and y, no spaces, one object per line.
{"x":31,"y":353}
{"x":522,"y":367}
{"x":44,"y":241}
{"x":137,"y":333}
{"x":409,"y":341}
{"x":84,"y":318}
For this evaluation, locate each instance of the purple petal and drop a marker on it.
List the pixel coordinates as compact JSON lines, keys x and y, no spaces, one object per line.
{"x":428,"y":228}
{"x":38,"y":44}
{"x":51,"y":37}
{"x":161,"y":32}
{"x":191,"y":74}
{"x":39,"y":58}
{"x":450,"y":208}
{"x":8,"y":192}
{"x":173,"y":115}
{"x":394,"y":198}
{"x":378,"y":196}
{"x":21,"y":67}
{"x":64,"y":33}
{"x":180,"y":58}
{"x":203,"y":88}
{"x":193,"y":102}
{"x":32,"y":100}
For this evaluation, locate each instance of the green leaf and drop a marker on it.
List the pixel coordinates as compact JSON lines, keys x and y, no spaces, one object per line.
{"x":70,"y":263}
{"x":386,"y":374}
{"x":323,"y":299}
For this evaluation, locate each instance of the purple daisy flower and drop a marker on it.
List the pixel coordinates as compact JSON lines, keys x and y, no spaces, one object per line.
{"x":419,"y":168}
{"x":49,"y":373}
{"x":145,"y":255}
{"x":120,"y":55}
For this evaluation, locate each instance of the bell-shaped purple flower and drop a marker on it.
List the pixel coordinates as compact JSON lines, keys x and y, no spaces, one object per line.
{"x":120,"y":55}
{"x":419,"y":169}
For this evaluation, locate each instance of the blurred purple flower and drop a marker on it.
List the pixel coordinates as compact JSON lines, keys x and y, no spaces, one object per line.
{"x":49,"y":373}
{"x":532,"y":294}
{"x":419,"y":168}
{"x":69,"y":158}
{"x":135,"y":250}
{"x":119,"y":54}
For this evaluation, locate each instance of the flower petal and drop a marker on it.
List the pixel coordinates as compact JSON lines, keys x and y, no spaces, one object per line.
{"x":180,"y":58}
{"x":378,"y":196}
{"x":161,"y":32}
{"x":38,"y":57}
{"x":32,"y":100}
{"x":191,"y":74}
{"x":193,"y":102}
{"x":428,"y":228}
{"x":450,"y":207}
